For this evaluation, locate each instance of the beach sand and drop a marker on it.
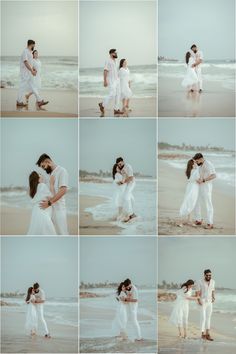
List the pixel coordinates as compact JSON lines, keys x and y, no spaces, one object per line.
{"x":61,"y":104}
{"x":141,"y":108}
{"x":14,"y":340}
{"x":170,"y":196}
{"x":89,"y":226}
{"x":214,"y":101}
{"x":99,"y":344}
{"x":168,"y":341}
{"x":15,"y":221}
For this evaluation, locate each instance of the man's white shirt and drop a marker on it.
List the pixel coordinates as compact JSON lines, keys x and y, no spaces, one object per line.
{"x":40,"y":295}
{"x":206,"y":289}
{"x":61,"y":180}
{"x":127,"y":171}
{"x":26,"y":55}
{"x":206,"y":169}
{"x":111,"y":67}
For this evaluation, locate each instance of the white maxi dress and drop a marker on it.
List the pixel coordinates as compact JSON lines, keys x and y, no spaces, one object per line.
{"x":120,"y":322}
{"x":31,"y":323}
{"x":191,"y":194}
{"x":180,"y":312}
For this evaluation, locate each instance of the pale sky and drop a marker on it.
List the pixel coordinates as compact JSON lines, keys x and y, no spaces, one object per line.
{"x":215,"y":132}
{"x":24,"y":140}
{"x":207,"y":23}
{"x":115,"y":259}
{"x":186,"y":258}
{"x":102,"y":141}
{"x":50,"y":261}
{"x":128,"y":26}
{"x":52,"y":24}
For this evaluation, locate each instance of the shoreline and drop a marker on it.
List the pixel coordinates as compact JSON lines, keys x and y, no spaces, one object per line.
{"x":15,"y":222}
{"x":141,"y":108}
{"x":87,"y":224}
{"x":62,"y":103}
{"x":170,"y":196}
{"x":214,"y":101}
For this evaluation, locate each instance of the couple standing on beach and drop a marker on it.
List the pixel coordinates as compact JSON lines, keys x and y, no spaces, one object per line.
{"x":200,"y":173}
{"x":124,"y":182}
{"x":48,"y":199}
{"x":205,"y":297}
{"x":35,"y":300}
{"x":127,"y":297}
{"x":30,"y":80}
{"x":193,"y":78}
{"x":118,"y":83}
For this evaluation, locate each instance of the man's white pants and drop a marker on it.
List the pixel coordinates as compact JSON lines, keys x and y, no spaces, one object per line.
{"x":134,"y":319}
{"x":199,"y":75}
{"x":129,"y":199}
{"x":59,"y":219}
{"x":205,"y":195}
{"x":114,"y":94}
{"x":26,"y":86}
{"x":39,"y":309}
{"x":205,"y":317}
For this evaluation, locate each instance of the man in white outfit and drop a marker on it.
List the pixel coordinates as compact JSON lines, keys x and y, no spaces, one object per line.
{"x":207,"y":174}
{"x":57,"y":202}
{"x":26,"y":71}
{"x":132,"y":299}
{"x":198,"y":67}
{"x":40,"y":300}
{"x":206,"y":292}
{"x":129,"y":179}
{"x":112,"y":81}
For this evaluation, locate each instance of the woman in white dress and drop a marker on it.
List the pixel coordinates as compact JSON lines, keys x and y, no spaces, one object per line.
{"x":180,"y":312}
{"x":191,"y":193}
{"x":31,"y":323}
{"x":190,"y":80}
{"x":126,"y":93}
{"x":120,"y":322}
{"x":119,"y":187}
{"x":41,"y":219}
{"x":36,"y":80}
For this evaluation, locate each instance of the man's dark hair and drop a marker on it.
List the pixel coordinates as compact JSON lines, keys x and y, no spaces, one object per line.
{"x":198,"y":156}
{"x":30,"y":41}
{"x":127,"y":282}
{"x":207,"y":271}
{"x":111,"y":51}
{"x":193,"y":46}
{"x":119,"y":159}
{"x":42,"y":158}
{"x":36,"y":286}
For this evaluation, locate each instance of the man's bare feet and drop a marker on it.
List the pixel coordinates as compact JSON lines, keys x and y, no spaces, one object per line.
{"x":118,"y":112}
{"x":209,"y":227}
{"x":47,"y":336}
{"x":198,"y":222}
{"x":42,"y":103}
{"x":21,"y":104}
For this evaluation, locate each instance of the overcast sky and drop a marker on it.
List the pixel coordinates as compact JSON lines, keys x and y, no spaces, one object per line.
{"x":207,"y":23}
{"x":102,"y":141}
{"x":115,"y":259}
{"x":52,"y":24}
{"x":24,"y":140}
{"x":128,"y":26}
{"x":186,"y":258}
{"x":215,"y":132}
{"x":50,"y":261}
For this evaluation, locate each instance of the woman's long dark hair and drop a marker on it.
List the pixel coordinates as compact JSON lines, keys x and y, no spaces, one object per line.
{"x":29,"y":293}
{"x":187,"y":56}
{"x":114,"y":170}
{"x":186,"y":284}
{"x":33,"y":183}
{"x":121,"y":63}
{"x":119,"y":289}
{"x":189,"y":168}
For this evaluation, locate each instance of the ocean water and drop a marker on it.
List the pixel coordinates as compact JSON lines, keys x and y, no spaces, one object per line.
{"x":60,"y":73}
{"x":145,"y":206}
{"x":16,"y":198}
{"x":143,"y":81}
{"x":147,"y":306}
{"x":224,"y":163}
{"x":63,"y":311}
{"x":212,"y":71}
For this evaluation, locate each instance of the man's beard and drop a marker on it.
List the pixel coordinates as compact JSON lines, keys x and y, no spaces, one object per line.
{"x":48,"y":170}
{"x":115,"y":56}
{"x":121,"y":167}
{"x":200,"y":163}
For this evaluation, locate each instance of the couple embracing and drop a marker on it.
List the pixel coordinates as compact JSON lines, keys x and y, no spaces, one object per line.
{"x":193,"y":78}
{"x":127,"y":297}
{"x":118,"y":83}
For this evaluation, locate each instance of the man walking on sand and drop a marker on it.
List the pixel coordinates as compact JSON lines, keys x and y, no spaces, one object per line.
{"x":26,"y":70}
{"x":112,"y":81}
